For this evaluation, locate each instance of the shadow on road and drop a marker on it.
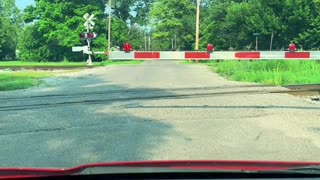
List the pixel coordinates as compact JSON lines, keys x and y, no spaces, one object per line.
{"x":73,"y":134}
{"x":67,"y":143}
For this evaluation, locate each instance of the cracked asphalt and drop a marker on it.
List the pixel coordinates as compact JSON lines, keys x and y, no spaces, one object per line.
{"x":154,"y":111}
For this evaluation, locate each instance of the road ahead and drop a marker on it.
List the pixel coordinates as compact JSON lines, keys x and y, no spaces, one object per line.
{"x":154,"y":111}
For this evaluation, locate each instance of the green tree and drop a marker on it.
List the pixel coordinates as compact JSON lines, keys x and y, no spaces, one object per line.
{"x":2,"y":36}
{"x":33,"y":45}
{"x":212,"y":27}
{"x":170,"y":19}
{"x":59,"y":24}
{"x":132,"y":11}
{"x":119,"y":32}
{"x":10,"y":23}
{"x":230,"y":24}
{"x":303,"y":23}
{"x":128,"y":22}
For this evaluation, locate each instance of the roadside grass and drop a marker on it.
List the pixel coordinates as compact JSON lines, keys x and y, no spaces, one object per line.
{"x":63,"y":64}
{"x":270,"y":72}
{"x":12,"y":80}
{"x":21,"y":80}
{"x":41,"y":64}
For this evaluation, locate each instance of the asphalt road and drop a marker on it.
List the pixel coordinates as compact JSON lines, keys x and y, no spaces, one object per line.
{"x":153,"y":111}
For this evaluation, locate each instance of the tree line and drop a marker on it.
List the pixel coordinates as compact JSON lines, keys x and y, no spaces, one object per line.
{"x":49,"y":29}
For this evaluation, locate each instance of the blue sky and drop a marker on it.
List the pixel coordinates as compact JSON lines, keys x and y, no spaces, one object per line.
{"x":21,"y":4}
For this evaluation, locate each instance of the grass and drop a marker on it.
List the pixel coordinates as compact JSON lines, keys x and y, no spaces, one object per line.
{"x":21,"y":80}
{"x":26,"y":79}
{"x":41,"y":64}
{"x":270,"y":72}
{"x":63,"y":64}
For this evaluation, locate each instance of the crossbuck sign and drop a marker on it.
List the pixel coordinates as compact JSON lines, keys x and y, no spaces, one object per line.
{"x":89,"y":21}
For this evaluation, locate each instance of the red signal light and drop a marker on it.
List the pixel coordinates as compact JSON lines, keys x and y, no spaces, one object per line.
{"x":87,"y":36}
{"x":91,"y":35}
{"x":82,"y":36}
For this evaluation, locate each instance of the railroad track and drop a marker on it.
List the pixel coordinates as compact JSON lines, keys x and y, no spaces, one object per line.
{"x":301,"y":90}
{"x":303,"y":87}
{"x":308,"y":90}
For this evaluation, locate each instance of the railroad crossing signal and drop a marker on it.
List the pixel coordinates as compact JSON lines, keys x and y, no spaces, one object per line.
{"x":87,"y":36}
{"x":89,"y":24}
{"x":88,"y":17}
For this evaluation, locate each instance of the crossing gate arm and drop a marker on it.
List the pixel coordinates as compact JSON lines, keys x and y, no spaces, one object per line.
{"x":216,"y":55}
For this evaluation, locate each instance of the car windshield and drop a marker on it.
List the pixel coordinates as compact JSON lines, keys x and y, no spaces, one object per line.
{"x":95,"y":81}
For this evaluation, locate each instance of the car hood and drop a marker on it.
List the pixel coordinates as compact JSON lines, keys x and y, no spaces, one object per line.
{"x":156,"y":166}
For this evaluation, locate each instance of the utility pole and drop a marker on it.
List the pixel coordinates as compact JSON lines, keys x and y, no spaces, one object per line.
{"x":145,"y":41}
{"x":271,"y":41}
{"x":171,"y":44}
{"x":109,"y":26}
{"x":149,"y":42}
{"x":197,"y":25}
{"x":175,"y":42}
{"x":256,"y":43}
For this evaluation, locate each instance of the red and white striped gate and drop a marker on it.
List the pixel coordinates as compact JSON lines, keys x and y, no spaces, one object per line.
{"x":216,"y":55}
